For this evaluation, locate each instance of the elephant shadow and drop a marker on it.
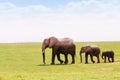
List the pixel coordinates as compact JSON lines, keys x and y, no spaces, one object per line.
{"x":53,"y":65}
{"x":116,"y":62}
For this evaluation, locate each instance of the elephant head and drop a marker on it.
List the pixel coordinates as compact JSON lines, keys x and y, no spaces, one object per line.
{"x":84,"y":49}
{"x":88,"y":48}
{"x":48,"y":43}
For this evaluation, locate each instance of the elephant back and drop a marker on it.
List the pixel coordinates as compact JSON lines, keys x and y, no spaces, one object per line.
{"x":66,"y":41}
{"x":96,"y":49}
{"x":108,"y":52}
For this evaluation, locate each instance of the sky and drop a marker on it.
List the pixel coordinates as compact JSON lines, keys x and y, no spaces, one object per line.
{"x":81,"y":20}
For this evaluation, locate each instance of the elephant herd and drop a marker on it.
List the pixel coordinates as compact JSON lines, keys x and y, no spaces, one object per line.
{"x":67,"y":46}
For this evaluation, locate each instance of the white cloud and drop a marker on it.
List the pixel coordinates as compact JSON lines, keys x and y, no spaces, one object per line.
{"x":94,"y":6}
{"x":6,"y":6}
{"x":12,"y":11}
{"x":91,"y":20}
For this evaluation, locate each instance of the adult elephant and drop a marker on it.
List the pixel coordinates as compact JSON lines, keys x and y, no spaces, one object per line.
{"x":65,"y":46}
{"x":91,"y":50}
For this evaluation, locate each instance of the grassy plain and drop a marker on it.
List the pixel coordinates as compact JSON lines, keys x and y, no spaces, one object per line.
{"x":23,"y":61}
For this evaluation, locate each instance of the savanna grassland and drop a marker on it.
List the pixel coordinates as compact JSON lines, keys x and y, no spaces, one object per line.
{"x":23,"y":61}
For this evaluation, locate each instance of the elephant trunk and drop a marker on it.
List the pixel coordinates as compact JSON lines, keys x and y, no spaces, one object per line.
{"x":102,"y":56}
{"x":43,"y":53}
{"x":43,"y":57}
{"x":81,"y":57}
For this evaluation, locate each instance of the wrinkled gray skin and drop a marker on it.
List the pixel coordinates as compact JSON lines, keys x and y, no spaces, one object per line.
{"x":109,"y":54}
{"x":65,"y":46}
{"x":91,"y":50}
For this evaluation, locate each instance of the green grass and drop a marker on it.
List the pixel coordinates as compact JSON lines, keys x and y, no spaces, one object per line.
{"x":23,"y":61}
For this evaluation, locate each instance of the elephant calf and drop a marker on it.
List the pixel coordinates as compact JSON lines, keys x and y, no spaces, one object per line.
{"x":109,"y":54}
{"x":92,"y":50}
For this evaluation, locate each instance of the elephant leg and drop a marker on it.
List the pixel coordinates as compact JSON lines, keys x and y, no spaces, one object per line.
{"x":109,"y":59}
{"x":98,"y":59}
{"x":105,"y":59}
{"x":91,"y":56}
{"x":53,"y":55}
{"x":112,"y":59}
{"x":73,"y":59}
{"x":66,"y":59}
{"x":53,"y":58}
{"x":86,"y":58}
{"x":58,"y":57}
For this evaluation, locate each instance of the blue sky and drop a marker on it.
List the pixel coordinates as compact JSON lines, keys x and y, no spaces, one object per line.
{"x":48,"y":3}
{"x":82,"y":20}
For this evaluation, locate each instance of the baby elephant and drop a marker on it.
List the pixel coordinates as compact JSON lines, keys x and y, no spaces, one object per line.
{"x":109,"y":54}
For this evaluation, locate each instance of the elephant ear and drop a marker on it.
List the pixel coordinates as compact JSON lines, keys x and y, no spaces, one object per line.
{"x":52,"y":41}
{"x":45,"y":44}
{"x":88,"y":48}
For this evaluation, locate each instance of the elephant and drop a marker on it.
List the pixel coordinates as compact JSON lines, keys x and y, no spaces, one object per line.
{"x":64,"y":46}
{"x":109,"y":54}
{"x":92,"y":50}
